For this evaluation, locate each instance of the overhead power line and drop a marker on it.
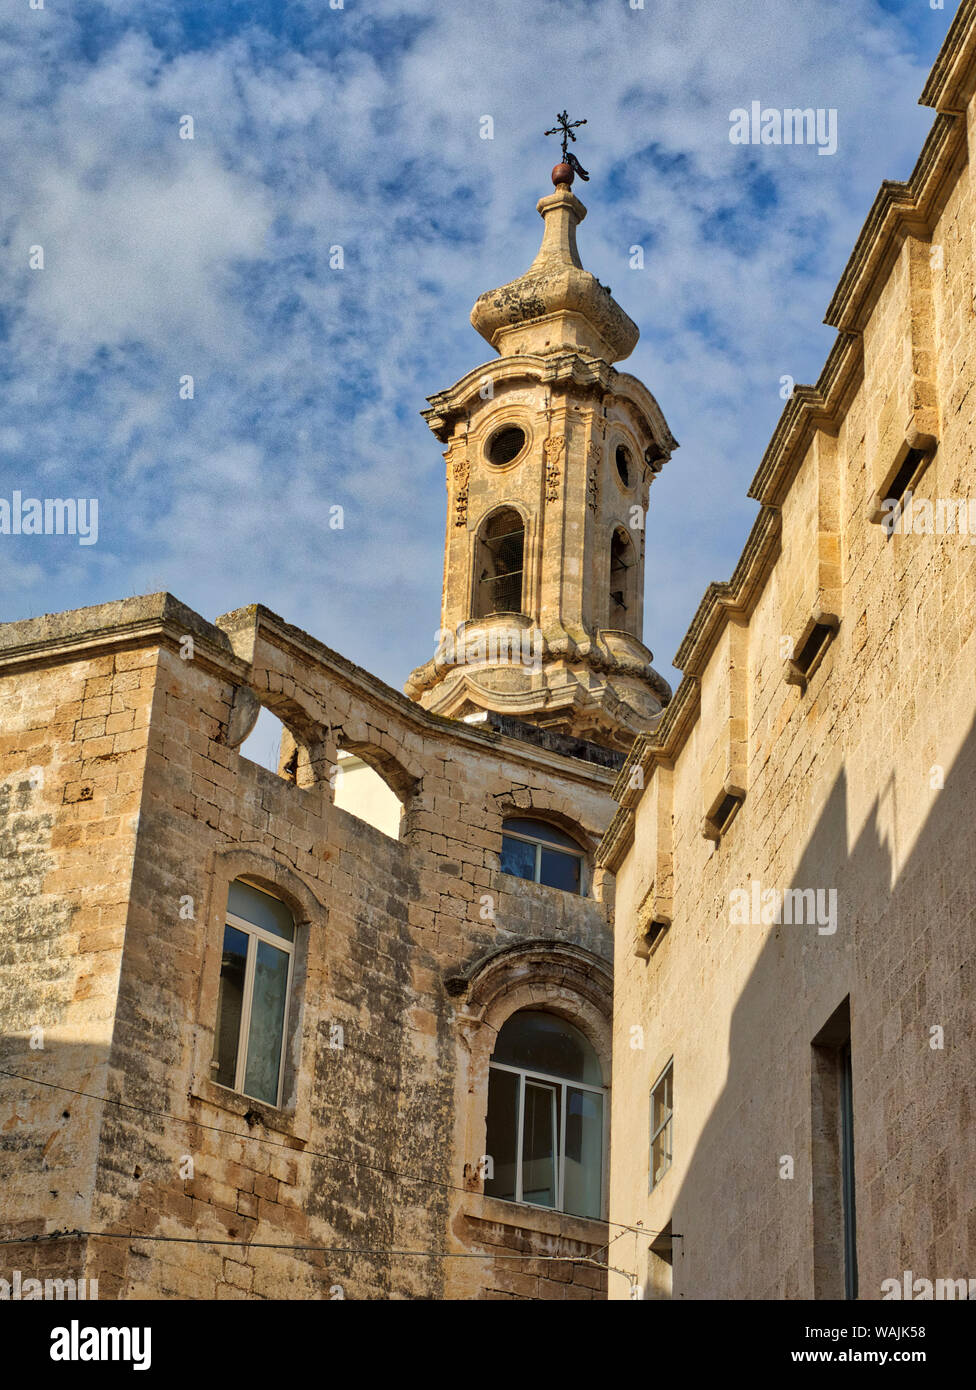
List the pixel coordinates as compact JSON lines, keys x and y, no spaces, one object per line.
{"x":281,"y":1144}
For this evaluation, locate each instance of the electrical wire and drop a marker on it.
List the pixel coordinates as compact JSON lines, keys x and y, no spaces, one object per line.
{"x":280,"y":1144}
{"x":248,"y":1246}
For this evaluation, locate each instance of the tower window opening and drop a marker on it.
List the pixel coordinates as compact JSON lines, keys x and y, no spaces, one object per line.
{"x":506,"y":444}
{"x":499,"y":565}
{"x":621,"y":562}
{"x":622,"y":459}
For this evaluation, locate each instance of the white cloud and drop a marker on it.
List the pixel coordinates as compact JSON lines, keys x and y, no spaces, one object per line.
{"x":211,"y":257}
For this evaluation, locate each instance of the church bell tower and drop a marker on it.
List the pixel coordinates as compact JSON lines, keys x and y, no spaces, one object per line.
{"x":550,"y":456}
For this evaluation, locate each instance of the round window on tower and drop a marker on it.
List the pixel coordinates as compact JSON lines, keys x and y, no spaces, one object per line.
{"x":505,"y":444}
{"x":623,"y":464}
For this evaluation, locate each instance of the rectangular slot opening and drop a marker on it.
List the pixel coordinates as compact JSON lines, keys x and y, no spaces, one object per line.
{"x":654,"y":934}
{"x":899,"y":483}
{"x":889,"y":499}
{"x":725,"y":811}
{"x":813,"y":647}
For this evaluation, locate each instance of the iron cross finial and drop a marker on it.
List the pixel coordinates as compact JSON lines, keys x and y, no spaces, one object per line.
{"x":565,"y":128}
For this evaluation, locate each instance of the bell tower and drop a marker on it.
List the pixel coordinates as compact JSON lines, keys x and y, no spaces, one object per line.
{"x":550,"y":456}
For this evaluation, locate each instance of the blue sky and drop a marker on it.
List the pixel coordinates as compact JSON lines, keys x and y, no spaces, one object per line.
{"x":360,"y":127}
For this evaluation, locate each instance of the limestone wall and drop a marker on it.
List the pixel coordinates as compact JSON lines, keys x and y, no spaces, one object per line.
{"x":858,"y":781}
{"x":409,"y":956}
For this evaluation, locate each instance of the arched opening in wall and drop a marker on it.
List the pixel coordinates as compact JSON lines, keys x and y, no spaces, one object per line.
{"x":535,"y":850}
{"x":546,"y":1125}
{"x":359,"y":789}
{"x":498,"y":563}
{"x":271,"y":744}
{"x":623,"y":582}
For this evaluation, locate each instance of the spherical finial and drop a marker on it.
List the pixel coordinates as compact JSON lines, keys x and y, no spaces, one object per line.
{"x":562,"y":174}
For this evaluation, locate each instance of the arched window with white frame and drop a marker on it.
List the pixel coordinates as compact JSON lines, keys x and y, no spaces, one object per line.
{"x":546,"y":1128}
{"x":255,"y":984}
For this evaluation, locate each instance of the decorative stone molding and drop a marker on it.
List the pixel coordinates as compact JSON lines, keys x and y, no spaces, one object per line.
{"x":462,"y":473}
{"x":593,"y":475}
{"x":563,"y":978}
{"x":556,"y":304}
{"x":554,"y":447}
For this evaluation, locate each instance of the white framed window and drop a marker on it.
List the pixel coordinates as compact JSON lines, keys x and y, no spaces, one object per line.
{"x":546,"y":1130}
{"x":662,"y":1124}
{"x":255,"y":987}
{"x":534,"y":850}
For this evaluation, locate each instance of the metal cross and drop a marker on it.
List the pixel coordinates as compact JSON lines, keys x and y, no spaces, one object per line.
{"x":566,"y":128}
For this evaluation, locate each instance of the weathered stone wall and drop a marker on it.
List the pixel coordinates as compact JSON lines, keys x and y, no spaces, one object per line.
{"x":375,"y":1146}
{"x":72,"y":751}
{"x":858,"y":780}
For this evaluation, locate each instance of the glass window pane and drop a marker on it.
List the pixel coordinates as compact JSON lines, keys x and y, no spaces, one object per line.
{"x":539,"y":1145}
{"x":662,"y":1120}
{"x":538,"y":830}
{"x":560,"y":870}
{"x":661,"y":1155}
{"x":501,"y":1144}
{"x":230,"y":1002}
{"x":546,"y":1043}
{"x":518,"y":858}
{"x":267,"y":1023}
{"x":582,"y":1180}
{"x":261,"y":909}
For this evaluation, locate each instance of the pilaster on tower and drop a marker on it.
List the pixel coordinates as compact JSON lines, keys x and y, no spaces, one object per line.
{"x":550,"y":456}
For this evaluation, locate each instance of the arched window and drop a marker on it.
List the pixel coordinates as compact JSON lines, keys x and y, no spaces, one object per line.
{"x":498,"y":565}
{"x":546,"y":1116}
{"x":536,"y":851}
{"x":623,"y":587}
{"x":252,"y":1004}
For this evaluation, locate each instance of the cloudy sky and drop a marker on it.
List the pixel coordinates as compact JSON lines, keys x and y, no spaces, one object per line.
{"x":360,"y":127}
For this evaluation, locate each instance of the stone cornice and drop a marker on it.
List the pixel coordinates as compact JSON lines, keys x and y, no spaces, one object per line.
{"x":561,"y":371}
{"x":721,"y":603}
{"x":900,"y":209}
{"x":557,"y":369}
{"x":950,"y":83}
{"x":618,"y":839}
{"x":150,"y":620}
{"x":809,"y":408}
{"x":733,"y":599}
